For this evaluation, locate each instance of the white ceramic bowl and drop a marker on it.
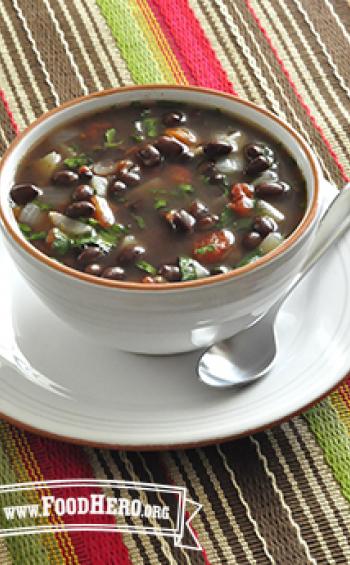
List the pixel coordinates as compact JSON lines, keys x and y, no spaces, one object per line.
{"x":165,"y":318}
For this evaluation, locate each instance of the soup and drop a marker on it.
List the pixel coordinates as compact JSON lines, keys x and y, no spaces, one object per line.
{"x":163,"y":192}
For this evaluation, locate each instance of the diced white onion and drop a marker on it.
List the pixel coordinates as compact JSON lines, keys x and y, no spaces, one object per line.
{"x":105,"y":167}
{"x":99,"y":184}
{"x":69,"y":226}
{"x":266,"y":176}
{"x":265,"y":209}
{"x":30,"y":215}
{"x":46,"y":166}
{"x":236,"y":139}
{"x":230,"y":164}
{"x":270,"y":242}
{"x":54,"y":198}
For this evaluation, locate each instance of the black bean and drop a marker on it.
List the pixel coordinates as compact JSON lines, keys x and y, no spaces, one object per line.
{"x":114,"y":273}
{"x":130,"y":254}
{"x":89,"y":255}
{"x":83,"y":192}
{"x":170,"y":146}
{"x":170,"y":272}
{"x":21,"y":194}
{"x":220,"y":270}
{"x":149,"y":156}
{"x":207,"y":222}
{"x":85,"y":173}
{"x":217,"y":149}
{"x":94,"y":269}
{"x":83,"y":209}
{"x":65,"y":177}
{"x":180,"y":220}
{"x":117,"y":187}
{"x":198,"y":209}
{"x":252,"y":239}
{"x":258,"y":165}
{"x":264,"y":225}
{"x":173,"y":119}
{"x":269,"y":189}
{"x":253,"y":150}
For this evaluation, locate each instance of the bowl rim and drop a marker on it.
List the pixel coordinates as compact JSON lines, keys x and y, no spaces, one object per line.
{"x":129,"y":285}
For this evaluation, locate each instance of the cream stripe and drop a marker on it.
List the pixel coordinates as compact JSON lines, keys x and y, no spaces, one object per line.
{"x":36,"y":51}
{"x":323,"y":47}
{"x":100,"y":52}
{"x":3,"y":137}
{"x":282,"y":500}
{"x":70,"y":21}
{"x":116,"y":472}
{"x":329,"y":484}
{"x":257,"y":70}
{"x":64,"y":42}
{"x":230,"y":515}
{"x":108,"y":40}
{"x":99,"y":473}
{"x":299,"y":496}
{"x":293,"y":58}
{"x":245,"y":504}
{"x":161,"y":500}
{"x":201,"y":497}
{"x":214,"y":28}
{"x":23,"y":58}
{"x":8,"y":90}
{"x":337,"y":19}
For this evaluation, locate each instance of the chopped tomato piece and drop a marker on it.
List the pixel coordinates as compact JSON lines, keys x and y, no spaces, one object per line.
{"x":184,"y":135}
{"x":240,"y":190}
{"x":179,"y":174}
{"x":242,"y":206}
{"x":214,"y":246}
{"x":103,"y":214}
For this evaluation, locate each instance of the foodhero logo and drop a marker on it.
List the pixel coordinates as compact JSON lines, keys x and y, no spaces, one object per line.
{"x":140,"y":508}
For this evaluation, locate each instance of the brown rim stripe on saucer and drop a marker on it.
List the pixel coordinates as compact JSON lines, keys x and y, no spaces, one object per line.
{"x":283,"y":496}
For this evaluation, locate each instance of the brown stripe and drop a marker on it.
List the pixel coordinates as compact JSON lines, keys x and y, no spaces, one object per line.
{"x":27,"y":53}
{"x":264,"y":504}
{"x":319,"y":519}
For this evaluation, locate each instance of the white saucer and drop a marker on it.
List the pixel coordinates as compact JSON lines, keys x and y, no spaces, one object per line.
{"x":138,"y":402}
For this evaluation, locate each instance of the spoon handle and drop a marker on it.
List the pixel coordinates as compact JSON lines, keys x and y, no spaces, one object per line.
{"x":334,"y":223}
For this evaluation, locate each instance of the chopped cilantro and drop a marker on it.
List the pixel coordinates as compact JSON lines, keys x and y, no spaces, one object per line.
{"x":227,"y":217}
{"x":249,"y":258}
{"x":160,"y":203}
{"x":140,"y":221}
{"x":25,"y":228}
{"x":42,"y":205}
{"x":77,"y":161}
{"x":147,"y":267}
{"x":61,"y":244}
{"x":37,"y":236}
{"x":150,"y":126}
{"x":92,"y":222}
{"x":185,"y":188}
{"x":138,"y":137}
{"x":205,"y":249}
{"x":191,"y":269}
{"x":110,"y":138}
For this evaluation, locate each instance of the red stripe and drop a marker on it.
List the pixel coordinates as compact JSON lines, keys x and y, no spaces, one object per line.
{"x":297,"y":93}
{"x":8,"y":112}
{"x":64,"y":461}
{"x":190,"y":45}
{"x":344,"y":391}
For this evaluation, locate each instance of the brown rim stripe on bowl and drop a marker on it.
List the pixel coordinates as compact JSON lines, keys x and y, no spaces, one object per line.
{"x":165,"y":286}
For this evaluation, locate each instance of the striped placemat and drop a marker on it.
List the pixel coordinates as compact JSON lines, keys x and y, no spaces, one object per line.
{"x":278,"y":497}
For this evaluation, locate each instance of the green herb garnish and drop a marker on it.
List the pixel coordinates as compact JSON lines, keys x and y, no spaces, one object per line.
{"x":140,"y":221}
{"x":42,"y":205}
{"x":77,"y":161}
{"x":160,"y":203}
{"x":191,"y":269}
{"x":205,"y":249}
{"x":150,"y":126}
{"x":138,"y":137}
{"x":249,"y":258}
{"x":62,"y":243}
{"x":185,"y":188}
{"x":147,"y":267}
{"x":110,"y":138}
{"x":25,"y":228}
{"x":227,"y":217}
{"x":37,"y":236}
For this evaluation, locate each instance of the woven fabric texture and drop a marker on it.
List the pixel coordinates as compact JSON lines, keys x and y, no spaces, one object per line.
{"x":282,"y":496}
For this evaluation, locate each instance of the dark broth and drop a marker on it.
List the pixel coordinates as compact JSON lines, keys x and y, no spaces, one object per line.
{"x":220,"y":194}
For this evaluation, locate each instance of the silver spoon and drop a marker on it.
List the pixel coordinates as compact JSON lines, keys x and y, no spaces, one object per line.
{"x":231,"y":362}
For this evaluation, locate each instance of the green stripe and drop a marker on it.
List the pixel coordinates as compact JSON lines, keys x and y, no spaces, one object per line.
{"x":23,"y":549}
{"x":334,"y":439}
{"x":131,"y":41}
